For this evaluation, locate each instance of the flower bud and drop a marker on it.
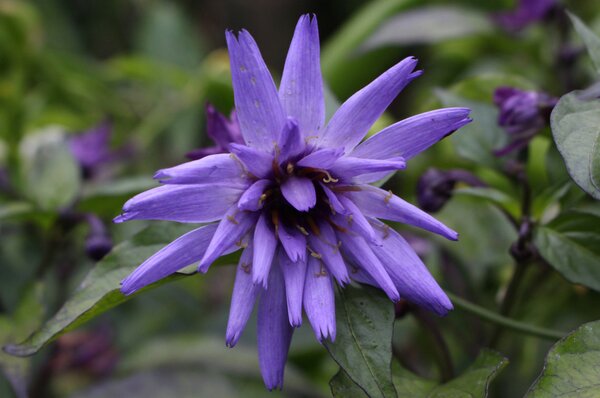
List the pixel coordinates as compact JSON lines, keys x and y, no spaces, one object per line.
{"x":435,"y":187}
{"x":221,"y":130}
{"x":98,"y":242}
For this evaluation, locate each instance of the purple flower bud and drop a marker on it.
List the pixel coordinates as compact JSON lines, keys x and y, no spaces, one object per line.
{"x":522,"y":115}
{"x":435,"y":187}
{"x":526,"y":13}
{"x":221,"y":130}
{"x":98,"y":242}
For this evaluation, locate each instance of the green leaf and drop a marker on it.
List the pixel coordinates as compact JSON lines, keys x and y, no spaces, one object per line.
{"x":26,"y":317}
{"x":591,"y":40}
{"x":575,"y":125}
{"x":474,"y":382}
{"x":363,"y":345}
{"x":477,"y":140}
{"x":492,"y":195}
{"x":428,"y":25}
{"x":571,"y":244}
{"x":50,"y":174}
{"x":100,"y":292}
{"x":572,"y":367}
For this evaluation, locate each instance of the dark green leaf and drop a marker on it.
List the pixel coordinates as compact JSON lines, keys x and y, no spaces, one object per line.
{"x":342,"y":386}
{"x":477,"y":140}
{"x":575,"y":125}
{"x":99,"y":291}
{"x":363,"y":346}
{"x":572,"y":367}
{"x":571,"y":244}
{"x":591,"y":40}
{"x":495,"y":196}
{"x":428,"y":25}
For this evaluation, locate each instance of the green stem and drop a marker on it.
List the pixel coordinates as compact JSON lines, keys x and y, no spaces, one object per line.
{"x":508,"y":323}
{"x":338,"y":49}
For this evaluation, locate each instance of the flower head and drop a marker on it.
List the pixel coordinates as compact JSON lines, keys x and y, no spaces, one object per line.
{"x":522,"y":114}
{"x":221,"y":130}
{"x":296,"y":198}
{"x":526,"y":13}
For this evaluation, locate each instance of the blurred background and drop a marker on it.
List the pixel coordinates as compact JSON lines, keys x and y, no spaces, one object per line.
{"x":141,"y":72}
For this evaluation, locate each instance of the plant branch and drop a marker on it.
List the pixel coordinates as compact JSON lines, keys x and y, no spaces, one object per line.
{"x":508,"y":323}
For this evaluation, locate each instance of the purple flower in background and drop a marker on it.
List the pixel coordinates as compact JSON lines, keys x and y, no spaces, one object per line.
{"x":295,"y":197}
{"x":221,"y":130}
{"x":526,"y":13}
{"x":435,"y":187}
{"x":522,"y":115}
{"x":91,"y":148}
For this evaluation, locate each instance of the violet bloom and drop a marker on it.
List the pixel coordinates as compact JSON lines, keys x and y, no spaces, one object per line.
{"x":435,"y":187}
{"x":221,"y":130}
{"x":91,"y":148}
{"x":522,"y":115}
{"x":526,"y":13}
{"x":295,"y":197}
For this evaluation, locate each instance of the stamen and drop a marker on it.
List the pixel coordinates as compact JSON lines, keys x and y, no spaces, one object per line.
{"x":289,"y":168}
{"x":388,"y":197}
{"x":246,"y":267}
{"x":350,"y":219}
{"x":275,"y":221}
{"x":262,"y":199}
{"x":241,"y":164}
{"x":386,"y":231}
{"x":313,"y":226}
{"x":310,"y":138}
{"x":322,"y":271}
{"x":329,"y":178}
{"x":337,"y":227}
{"x":313,"y":253}
{"x":302,"y":229}
{"x":232,"y":219}
{"x":241,"y":244}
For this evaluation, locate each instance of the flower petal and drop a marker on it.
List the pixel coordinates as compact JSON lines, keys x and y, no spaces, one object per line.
{"x":375,"y":202}
{"x":222,"y":131}
{"x":355,"y":221}
{"x":321,"y":158}
{"x":274,"y":331}
{"x":258,"y":162}
{"x":232,"y":228}
{"x":410,"y":275}
{"x":319,"y":300}
{"x":259,"y":111}
{"x":299,"y":192}
{"x":358,"y":249}
{"x":182,"y":203}
{"x":210,"y":169}
{"x":353,"y":119}
{"x":301,"y":88}
{"x":293,"y":242}
{"x":333,"y":199}
{"x":293,"y":276}
{"x":325,"y":246}
{"x":411,"y":136}
{"x":347,"y":167}
{"x":265,"y":244}
{"x":183,"y":251}
{"x":291,"y":142}
{"x":251,"y":199}
{"x":242,"y":299}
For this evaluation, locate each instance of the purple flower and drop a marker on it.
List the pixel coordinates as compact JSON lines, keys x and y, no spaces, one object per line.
{"x":435,"y":187}
{"x":522,"y":114}
{"x":221,"y":130}
{"x":526,"y":13}
{"x":296,"y":198}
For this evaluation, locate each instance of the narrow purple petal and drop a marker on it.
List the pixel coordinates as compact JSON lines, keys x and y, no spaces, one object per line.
{"x":291,"y":142}
{"x":293,"y":276}
{"x":333,"y":199}
{"x":259,"y":111}
{"x":242,"y":299}
{"x":265,"y":244}
{"x":299,"y":192}
{"x":356,"y":221}
{"x":326,"y":247}
{"x":357,"y":248}
{"x":258,"y":162}
{"x":319,"y":301}
{"x":182,"y":203}
{"x":347,"y":167}
{"x":210,"y":169}
{"x":301,"y":88}
{"x":353,"y":119}
{"x":274,"y":331}
{"x":234,"y":225}
{"x":222,"y":131}
{"x":252,"y":199}
{"x":411,"y":136}
{"x":321,"y":158}
{"x":375,"y":202}
{"x":293,"y":242}
{"x":183,"y":251}
{"x":410,"y":275}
